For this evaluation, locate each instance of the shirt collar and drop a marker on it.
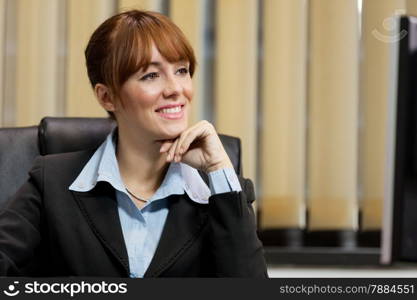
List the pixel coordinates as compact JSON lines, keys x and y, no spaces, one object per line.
{"x":103,"y":166}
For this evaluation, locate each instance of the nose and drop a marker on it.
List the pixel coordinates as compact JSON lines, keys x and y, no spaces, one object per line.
{"x":172,"y":88}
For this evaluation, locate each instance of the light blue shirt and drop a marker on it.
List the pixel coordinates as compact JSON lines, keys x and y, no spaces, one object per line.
{"x":142,"y":228}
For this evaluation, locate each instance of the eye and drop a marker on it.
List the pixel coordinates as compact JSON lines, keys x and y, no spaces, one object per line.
{"x":150,"y":76}
{"x":182,"y":71}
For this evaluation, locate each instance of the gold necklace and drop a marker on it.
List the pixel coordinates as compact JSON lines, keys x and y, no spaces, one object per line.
{"x":136,"y":197}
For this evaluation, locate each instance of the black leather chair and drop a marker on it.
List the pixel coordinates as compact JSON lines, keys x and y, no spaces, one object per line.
{"x":19,"y":146}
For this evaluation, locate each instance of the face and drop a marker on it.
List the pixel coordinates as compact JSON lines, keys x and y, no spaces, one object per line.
{"x":155,"y":102}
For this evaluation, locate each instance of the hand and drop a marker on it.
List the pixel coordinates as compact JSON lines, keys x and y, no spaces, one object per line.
{"x":198,"y":146}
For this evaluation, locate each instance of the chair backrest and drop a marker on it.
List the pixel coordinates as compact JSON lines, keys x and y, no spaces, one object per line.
{"x":20,"y":146}
{"x":18,"y":149}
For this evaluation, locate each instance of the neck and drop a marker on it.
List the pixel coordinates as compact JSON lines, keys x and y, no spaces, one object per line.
{"x":142,"y":167}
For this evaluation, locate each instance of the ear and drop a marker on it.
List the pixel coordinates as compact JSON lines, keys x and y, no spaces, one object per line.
{"x":104,"y":97}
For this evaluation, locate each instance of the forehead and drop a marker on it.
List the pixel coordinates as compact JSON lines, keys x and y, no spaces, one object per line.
{"x":155,"y":55}
{"x":157,"y":59}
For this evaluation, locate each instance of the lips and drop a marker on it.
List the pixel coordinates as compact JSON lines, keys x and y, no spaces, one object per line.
{"x":171,"y":112}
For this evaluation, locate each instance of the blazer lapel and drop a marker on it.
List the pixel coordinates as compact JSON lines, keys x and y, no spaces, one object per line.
{"x":185,"y":222}
{"x":99,"y":207}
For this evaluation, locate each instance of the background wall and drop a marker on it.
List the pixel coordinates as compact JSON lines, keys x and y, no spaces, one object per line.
{"x":303,"y":83}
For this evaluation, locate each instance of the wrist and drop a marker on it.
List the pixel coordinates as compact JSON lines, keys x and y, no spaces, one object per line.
{"x":220,"y":165}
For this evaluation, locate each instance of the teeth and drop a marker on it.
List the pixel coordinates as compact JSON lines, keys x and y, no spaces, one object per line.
{"x":171,"y":110}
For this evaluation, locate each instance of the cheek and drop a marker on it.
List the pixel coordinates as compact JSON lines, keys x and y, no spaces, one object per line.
{"x":143,"y":98}
{"x":188,"y":91}
{"x":149,"y":92}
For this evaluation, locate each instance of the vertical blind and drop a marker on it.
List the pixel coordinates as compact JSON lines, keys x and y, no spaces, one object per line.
{"x":283,"y":108}
{"x":333,"y":115}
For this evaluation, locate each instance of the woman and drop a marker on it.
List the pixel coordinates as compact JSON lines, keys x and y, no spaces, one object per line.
{"x":136,"y":206}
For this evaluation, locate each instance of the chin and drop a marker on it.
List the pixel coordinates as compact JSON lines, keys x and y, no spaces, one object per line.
{"x":173,"y":131}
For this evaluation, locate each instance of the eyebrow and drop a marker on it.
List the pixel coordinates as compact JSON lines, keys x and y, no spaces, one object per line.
{"x":154,"y":63}
{"x":158,"y":64}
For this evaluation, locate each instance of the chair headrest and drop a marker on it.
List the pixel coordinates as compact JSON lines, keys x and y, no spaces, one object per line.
{"x":59,"y":135}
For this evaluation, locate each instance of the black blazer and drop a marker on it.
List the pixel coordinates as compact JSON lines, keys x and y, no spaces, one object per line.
{"x":48,"y":230}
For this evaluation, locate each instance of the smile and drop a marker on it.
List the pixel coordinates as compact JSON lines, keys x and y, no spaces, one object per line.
{"x":172,"y":112}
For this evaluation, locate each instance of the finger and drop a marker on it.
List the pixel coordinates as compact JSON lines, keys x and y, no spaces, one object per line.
{"x":166,"y":146}
{"x":192,"y":136}
{"x":178,"y":151}
{"x":184,"y":134}
{"x":191,"y":133}
{"x":198,"y":132}
{"x":171,"y":152}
